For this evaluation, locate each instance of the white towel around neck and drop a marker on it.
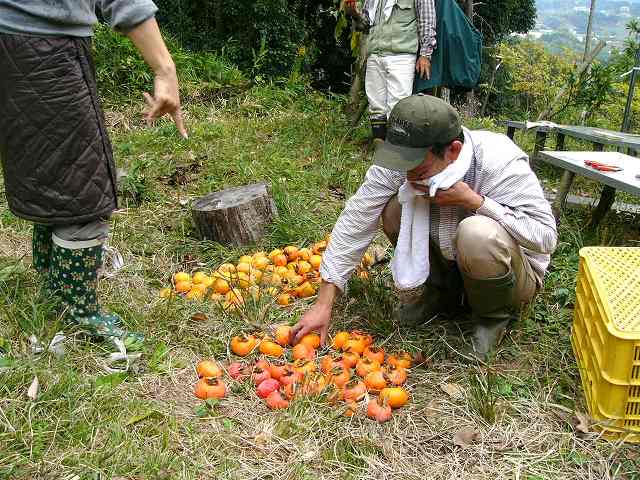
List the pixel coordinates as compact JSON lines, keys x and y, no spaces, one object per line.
{"x":410,"y":264}
{"x":386,"y":12}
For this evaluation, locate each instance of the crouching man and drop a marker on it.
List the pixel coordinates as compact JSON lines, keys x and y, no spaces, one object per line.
{"x":466,"y":214}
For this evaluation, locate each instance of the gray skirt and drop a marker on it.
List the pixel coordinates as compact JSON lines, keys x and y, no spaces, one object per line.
{"x":56,"y":156}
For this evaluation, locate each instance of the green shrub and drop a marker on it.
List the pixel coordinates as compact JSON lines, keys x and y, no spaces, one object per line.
{"x":122,"y":73}
{"x":263,"y":37}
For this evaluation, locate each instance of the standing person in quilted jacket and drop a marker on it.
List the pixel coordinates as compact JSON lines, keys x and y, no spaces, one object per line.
{"x":56,"y":156}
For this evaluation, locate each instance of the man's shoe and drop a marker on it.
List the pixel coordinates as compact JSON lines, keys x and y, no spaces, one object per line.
{"x":491,"y":302}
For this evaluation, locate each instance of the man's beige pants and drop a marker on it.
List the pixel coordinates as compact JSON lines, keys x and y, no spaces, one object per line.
{"x":484,"y":250}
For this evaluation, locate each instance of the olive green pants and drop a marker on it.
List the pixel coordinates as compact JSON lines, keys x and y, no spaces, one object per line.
{"x":484,"y":249}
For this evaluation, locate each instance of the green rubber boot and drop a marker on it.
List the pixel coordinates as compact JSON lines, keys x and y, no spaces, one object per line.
{"x":491,"y":302}
{"x":41,"y":246}
{"x":74,"y":274}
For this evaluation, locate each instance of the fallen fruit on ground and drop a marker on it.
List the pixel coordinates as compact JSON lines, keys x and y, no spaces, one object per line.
{"x":287,"y":274}
{"x":208,"y":368}
{"x":237,"y":370}
{"x":210,"y":388}
{"x":378,"y":410}
{"x":396,"y":375}
{"x":339,"y":339}
{"x":350,"y":359}
{"x":339,"y":376}
{"x":271,"y":349}
{"x":365,"y":366}
{"x":375,"y":381}
{"x":278,"y":380}
{"x":243,"y":345}
{"x":259,"y":375}
{"x":395,"y":396}
{"x":401,"y":359}
{"x":275,"y":401}
{"x":311,"y":340}
{"x":283,"y":335}
{"x":199,"y":277}
{"x":354,"y":390}
{"x":303,"y":352}
{"x":181,"y":277}
{"x":267,"y":386}
{"x":374,"y":353}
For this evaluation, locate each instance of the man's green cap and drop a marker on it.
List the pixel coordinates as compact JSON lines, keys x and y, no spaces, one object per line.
{"x":415,"y":124}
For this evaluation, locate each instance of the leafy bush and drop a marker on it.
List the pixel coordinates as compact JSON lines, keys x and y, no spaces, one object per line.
{"x":122,"y":73}
{"x":263,"y":37}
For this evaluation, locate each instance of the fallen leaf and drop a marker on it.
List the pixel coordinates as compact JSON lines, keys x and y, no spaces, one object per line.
{"x":33,"y":390}
{"x":199,"y":317}
{"x":581,"y":422}
{"x":419,"y":358}
{"x":465,"y":437}
{"x":454,"y":390}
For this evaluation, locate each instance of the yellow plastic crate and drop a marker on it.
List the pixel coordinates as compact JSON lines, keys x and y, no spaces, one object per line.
{"x":624,"y":421}
{"x":606,"y":337}
{"x":608,"y":308}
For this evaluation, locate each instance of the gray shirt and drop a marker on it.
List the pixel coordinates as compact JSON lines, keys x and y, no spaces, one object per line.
{"x":73,"y":18}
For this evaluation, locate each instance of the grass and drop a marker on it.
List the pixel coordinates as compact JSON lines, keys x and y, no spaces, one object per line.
{"x":147,"y":424}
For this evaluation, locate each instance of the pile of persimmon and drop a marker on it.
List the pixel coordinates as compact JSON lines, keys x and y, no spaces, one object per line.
{"x":352,"y":370}
{"x":282,"y":275}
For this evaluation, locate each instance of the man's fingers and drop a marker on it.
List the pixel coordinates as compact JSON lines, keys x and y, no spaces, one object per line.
{"x":301,"y":333}
{"x":296,"y":328}
{"x":148,"y":99}
{"x":323,"y":335}
{"x":179,"y":121}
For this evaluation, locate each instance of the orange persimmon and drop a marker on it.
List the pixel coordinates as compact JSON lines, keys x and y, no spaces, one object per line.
{"x":396,"y":397}
{"x":374,"y":353}
{"x":243,"y":345}
{"x":210,"y":388}
{"x":339,"y":339}
{"x":354,"y":390}
{"x":271,"y":348}
{"x":311,"y":340}
{"x":209,"y":369}
{"x":375,"y":381}
{"x":365,"y":366}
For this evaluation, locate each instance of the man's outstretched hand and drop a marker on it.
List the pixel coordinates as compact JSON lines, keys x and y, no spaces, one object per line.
{"x":318,"y":317}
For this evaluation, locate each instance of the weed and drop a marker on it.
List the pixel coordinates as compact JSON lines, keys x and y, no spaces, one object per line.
{"x":483,"y":394}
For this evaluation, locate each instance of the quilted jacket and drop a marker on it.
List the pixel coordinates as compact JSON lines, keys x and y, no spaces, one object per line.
{"x":56,"y":156}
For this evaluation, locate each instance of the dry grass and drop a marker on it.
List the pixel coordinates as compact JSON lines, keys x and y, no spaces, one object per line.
{"x":148,"y":425}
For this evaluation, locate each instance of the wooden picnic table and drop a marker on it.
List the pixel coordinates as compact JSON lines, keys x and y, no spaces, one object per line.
{"x":599,"y":138}
{"x":626,"y":180}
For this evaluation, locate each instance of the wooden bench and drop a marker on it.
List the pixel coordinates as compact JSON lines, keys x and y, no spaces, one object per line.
{"x":599,"y":138}
{"x":627,"y":180}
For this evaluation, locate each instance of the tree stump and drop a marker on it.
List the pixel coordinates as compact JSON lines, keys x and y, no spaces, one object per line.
{"x":235,"y":216}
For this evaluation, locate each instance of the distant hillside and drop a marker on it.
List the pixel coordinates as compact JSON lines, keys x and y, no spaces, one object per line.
{"x":563,"y":23}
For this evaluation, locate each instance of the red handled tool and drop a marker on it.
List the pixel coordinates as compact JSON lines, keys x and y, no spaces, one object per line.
{"x":602,"y":167}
